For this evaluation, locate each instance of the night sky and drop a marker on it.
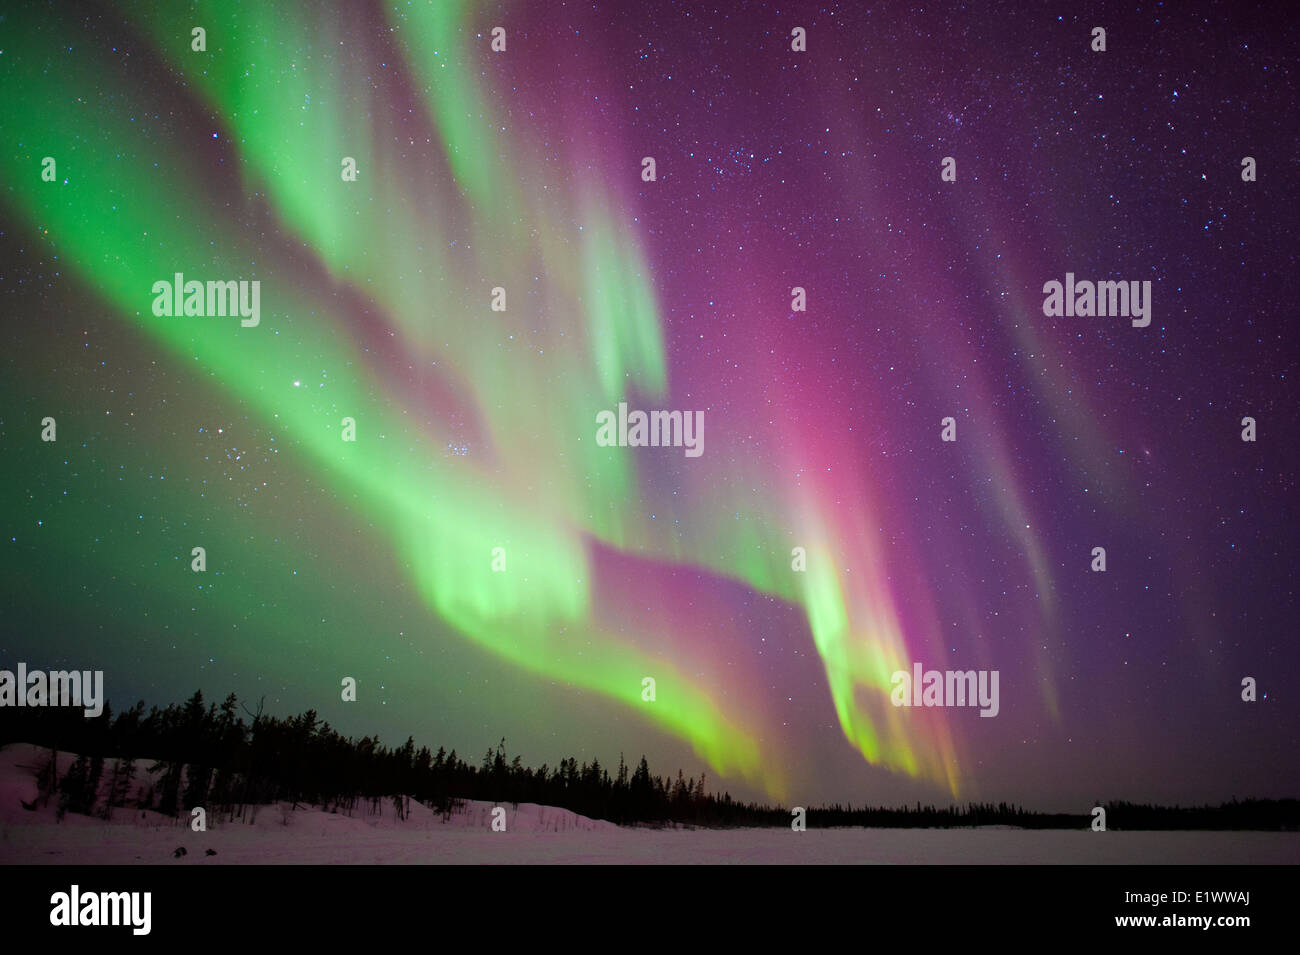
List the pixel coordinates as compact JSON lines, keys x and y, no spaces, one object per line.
{"x":476,"y":428}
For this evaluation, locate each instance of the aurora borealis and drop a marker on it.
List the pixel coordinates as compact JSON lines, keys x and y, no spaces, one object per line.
{"x":476,"y":429}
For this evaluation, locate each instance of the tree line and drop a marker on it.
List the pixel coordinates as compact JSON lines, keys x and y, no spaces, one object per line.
{"x":201,"y":754}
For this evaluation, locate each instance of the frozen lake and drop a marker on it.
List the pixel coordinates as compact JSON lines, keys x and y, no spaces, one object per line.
{"x":316,"y":838}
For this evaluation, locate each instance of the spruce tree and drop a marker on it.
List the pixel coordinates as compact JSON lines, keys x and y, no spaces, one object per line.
{"x":90,"y":795}
{"x":72,"y":789}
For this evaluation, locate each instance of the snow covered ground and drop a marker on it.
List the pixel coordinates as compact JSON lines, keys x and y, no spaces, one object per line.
{"x":546,"y":834}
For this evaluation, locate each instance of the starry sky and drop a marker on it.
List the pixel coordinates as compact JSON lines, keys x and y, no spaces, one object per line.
{"x":475,"y":428}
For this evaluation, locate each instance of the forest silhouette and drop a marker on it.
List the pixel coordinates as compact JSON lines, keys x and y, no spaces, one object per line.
{"x":199,"y":754}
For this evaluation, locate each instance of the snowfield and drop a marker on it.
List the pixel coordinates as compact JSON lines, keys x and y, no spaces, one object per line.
{"x":278,"y":834}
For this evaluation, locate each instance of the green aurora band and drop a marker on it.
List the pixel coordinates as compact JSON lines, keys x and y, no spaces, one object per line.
{"x":420,"y":246}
